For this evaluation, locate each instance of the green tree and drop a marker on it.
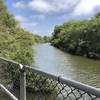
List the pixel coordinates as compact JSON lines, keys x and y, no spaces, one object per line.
{"x":79,"y":37}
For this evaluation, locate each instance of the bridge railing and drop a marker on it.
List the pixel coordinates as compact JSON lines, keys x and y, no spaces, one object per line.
{"x":40,"y":85}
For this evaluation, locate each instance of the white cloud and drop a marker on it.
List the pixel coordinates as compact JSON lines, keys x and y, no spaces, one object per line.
{"x":47,"y":6}
{"x":39,"y":5}
{"x":20,"y":18}
{"x":86,"y":7}
{"x":63,"y":16}
{"x":20,"y":4}
{"x":79,"y":7}
{"x":29,"y":24}
{"x":40,"y":17}
{"x":26,"y":23}
{"x":66,"y":9}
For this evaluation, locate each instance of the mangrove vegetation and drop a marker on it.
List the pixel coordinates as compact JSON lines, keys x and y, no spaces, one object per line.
{"x":80,"y":37}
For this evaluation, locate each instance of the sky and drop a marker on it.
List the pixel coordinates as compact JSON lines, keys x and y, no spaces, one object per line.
{"x":41,"y":16}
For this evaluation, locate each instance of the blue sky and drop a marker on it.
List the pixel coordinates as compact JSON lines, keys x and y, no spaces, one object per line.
{"x":40,"y":16}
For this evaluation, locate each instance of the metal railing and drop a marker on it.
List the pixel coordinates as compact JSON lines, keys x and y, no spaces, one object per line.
{"x":7,"y":92}
{"x":45,"y":86}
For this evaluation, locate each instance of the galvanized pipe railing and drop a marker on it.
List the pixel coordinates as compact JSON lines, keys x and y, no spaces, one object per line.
{"x":63,"y":82}
{"x":7,"y":92}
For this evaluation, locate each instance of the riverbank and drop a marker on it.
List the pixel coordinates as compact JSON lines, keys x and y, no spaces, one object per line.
{"x":91,"y":55}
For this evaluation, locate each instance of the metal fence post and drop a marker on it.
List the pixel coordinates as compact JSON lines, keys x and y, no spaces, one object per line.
{"x":22,"y":83}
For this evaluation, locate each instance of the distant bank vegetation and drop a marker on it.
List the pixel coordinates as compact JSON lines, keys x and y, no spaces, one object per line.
{"x":79,"y":37}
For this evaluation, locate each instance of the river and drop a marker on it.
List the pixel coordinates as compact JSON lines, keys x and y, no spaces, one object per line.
{"x":55,"y":61}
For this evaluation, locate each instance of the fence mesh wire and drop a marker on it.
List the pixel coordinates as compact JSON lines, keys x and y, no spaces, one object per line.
{"x":39,"y":86}
{"x":46,"y":88}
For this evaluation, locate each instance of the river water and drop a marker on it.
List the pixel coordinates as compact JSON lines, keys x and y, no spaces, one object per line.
{"x":55,"y":61}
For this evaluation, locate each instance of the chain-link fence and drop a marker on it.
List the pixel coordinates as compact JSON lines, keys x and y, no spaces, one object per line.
{"x":50,"y":87}
{"x":41,"y":85}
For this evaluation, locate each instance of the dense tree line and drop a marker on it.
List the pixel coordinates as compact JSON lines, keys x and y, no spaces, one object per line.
{"x":38,"y":38}
{"x":46,"y":39}
{"x":79,"y":37}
